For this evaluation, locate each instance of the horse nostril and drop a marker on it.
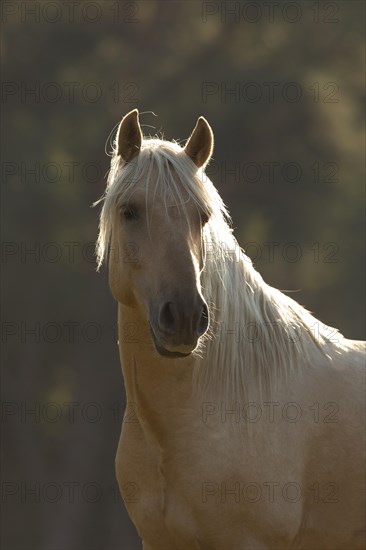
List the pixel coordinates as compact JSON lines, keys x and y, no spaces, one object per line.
{"x":167,"y":320}
{"x":203,"y":322}
{"x":189,"y":324}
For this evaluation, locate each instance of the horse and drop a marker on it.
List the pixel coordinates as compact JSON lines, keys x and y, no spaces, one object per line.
{"x":244,"y":424}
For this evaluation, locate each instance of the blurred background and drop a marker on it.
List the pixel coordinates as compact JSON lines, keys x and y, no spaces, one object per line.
{"x":282,"y":85}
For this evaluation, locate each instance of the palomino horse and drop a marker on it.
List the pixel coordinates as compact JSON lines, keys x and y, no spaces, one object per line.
{"x":244,"y":423}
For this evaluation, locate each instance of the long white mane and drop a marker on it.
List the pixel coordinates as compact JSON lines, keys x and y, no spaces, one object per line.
{"x":257,"y":332}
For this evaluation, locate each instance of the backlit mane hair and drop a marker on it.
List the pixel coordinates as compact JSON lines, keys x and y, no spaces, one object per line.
{"x":256,"y":332}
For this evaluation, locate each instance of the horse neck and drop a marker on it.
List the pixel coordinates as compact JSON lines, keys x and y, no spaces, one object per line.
{"x":158,"y":389}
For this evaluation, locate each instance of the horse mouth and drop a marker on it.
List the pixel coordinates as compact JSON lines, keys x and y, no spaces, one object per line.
{"x":164,"y":352}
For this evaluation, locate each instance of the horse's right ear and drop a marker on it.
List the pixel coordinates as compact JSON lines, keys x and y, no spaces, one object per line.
{"x":129,"y":136}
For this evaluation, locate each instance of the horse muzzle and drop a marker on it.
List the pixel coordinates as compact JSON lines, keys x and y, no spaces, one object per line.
{"x":177,"y":326}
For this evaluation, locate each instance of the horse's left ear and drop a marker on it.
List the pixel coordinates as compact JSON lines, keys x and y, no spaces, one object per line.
{"x":199,"y":147}
{"x":129,"y":136}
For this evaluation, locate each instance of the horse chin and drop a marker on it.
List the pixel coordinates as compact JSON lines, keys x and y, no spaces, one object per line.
{"x":165,"y":352}
{"x":174,"y":354}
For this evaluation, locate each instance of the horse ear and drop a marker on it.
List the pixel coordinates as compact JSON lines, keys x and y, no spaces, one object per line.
{"x":200,"y":145}
{"x":129,"y":136}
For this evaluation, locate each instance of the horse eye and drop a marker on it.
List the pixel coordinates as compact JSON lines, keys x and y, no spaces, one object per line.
{"x":204,"y":218}
{"x":129,"y":213}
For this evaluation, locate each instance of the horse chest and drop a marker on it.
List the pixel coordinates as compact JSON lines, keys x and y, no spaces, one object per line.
{"x":181,"y":498}
{"x":150,"y":492}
